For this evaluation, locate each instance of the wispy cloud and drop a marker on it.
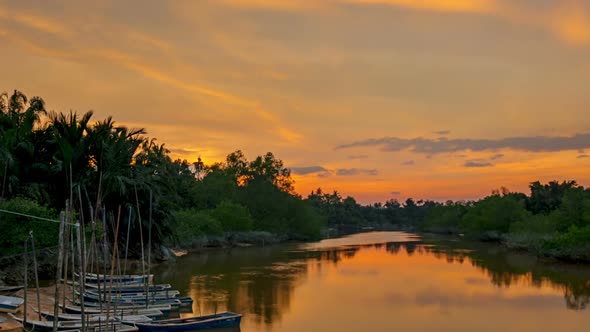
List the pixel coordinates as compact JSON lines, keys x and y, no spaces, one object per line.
{"x":497,"y":156}
{"x":358,"y":156}
{"x":443,"y":132}
{"x":583,"y":156}
{"x":477,"y":163}
{"x":430,"y":146}
{"x":308,"y":170}
{"x":408,"y":163}
{"x":567,"y":20}
{"x":356,"y":171}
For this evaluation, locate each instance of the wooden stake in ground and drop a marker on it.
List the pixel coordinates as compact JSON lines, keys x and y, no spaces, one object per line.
{"x":62,"y":222}
{"x":82,"y":275}
{"x":113,"y":263}
{"x":36,"y":273}
{"x":26,"y":282}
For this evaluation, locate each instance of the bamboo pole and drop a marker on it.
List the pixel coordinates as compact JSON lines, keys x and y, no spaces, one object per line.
{"x":127,"y":242}
{"x":26,"y":282}
{"x":95,"y":246}
{"x":82,"y":275}
{"x":36,"y":273}
{"x":72,"y":244}
{"x":67,"y":246}
{"x":149,"y":262}
{"x":104,"y":250}
{"x":59,"y":271}
{"x":142,"y":252}
{"x":113,"y":263}
{"x":83,"y":232}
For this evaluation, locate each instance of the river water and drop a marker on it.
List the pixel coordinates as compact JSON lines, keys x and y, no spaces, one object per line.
{"x":385,"y":281}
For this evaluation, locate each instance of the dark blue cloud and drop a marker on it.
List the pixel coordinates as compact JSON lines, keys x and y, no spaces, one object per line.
{"x":442,"y":145}
{"x":308,"y":170}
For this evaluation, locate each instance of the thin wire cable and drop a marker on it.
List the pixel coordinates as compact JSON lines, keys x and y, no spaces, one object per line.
{"x":35,"y":217}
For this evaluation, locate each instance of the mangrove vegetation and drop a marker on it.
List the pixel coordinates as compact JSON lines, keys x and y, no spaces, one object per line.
{"x":101,"y":167}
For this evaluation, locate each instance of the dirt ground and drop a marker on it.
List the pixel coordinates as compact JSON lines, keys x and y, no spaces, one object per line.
{"x":46,"y":295}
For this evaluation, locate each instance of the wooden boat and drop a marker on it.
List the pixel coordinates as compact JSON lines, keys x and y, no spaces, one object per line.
{"x":149,"y":312}
{"x":128,"y":287}
{"x":136,"y":300}
{"x":10,"y":304}
{"x":132,"y":278}
{"x":36,"y":325}
{"x":165,"y":308}
{"x":213,"y":321}
{"x":166,"y":294}
{"x":10,"y":289}
{"x":49,"y":316}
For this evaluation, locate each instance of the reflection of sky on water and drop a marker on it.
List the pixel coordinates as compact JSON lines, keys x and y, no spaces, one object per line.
{"x":372,"y":238}
{"x":407,"y":285}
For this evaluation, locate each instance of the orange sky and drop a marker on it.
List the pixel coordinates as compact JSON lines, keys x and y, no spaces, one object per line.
{"x":439,"y":99}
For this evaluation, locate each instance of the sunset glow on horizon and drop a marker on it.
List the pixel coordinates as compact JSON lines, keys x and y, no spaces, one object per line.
{"x":377,"y":99}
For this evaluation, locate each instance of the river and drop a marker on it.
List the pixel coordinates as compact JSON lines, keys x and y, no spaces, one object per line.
{"x":385,"y":281}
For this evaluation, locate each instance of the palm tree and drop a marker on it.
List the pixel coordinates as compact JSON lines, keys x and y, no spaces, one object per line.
{"x":18,"y":118}
{"x":72,"y":146}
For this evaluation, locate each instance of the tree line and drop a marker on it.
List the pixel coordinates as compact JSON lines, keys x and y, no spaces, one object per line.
{"x":108,"y":171}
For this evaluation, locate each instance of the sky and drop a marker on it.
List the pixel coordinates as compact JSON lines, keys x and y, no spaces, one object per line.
{"x":378,"y":99}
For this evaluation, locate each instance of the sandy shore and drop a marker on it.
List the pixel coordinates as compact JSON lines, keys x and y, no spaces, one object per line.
{"x":46,"y":295}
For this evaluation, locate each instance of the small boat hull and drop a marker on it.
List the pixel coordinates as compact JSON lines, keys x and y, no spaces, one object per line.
{"x":40,"y":326}
{"x":11,"y":304}
{"x":213,"y":321}
{"x":10,"y":289}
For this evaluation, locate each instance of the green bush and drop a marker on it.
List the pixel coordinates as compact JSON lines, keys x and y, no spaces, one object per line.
{"x":191,"y":224}
{"x":444,"y":218}
{"x":15,"y":229}
{"x":537,"y":224}
{"x":575,"y":237}
{"x":233,"y":217}
{"x":572,"y":245}
{"x":494,"y":213}
{"x":304,"y":221}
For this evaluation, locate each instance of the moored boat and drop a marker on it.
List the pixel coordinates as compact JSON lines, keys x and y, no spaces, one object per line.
{"x":212,"y":321}
{"x":40,"y":326}
{"x":128,"y":287}
{"x":152,"y":311}
{"x":132,"y":278}
{"x":49,"y":316}
{"x":166,"y":294}
{"x":10,"y":289}
{"x":10,"y":304}
{"x":136,"y":300}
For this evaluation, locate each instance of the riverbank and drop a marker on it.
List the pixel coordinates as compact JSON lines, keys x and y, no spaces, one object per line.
{"x":46,"y":296}
{"x":12,"y":272}
{"x":564,"y":248}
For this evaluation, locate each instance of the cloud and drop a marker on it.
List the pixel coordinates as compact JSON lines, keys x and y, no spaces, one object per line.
{"x":567,"y":21}
{"x":308,"y":170}
{"x":408,"y":163}
{"x":477,"y":163}
{"x":583,"y":156}
{"x":497,"y":156}
{"x":430,"y":146}
{"x":355,"y":171}
{"x":181,"y":151}
{"x":442,"y":132}
{"x":358,"y":156}
{"x":396,"y":193}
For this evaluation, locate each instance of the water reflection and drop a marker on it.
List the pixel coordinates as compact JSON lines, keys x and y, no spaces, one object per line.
{"x":364,"y":281}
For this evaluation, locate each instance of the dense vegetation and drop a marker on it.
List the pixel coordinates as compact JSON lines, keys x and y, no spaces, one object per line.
{"x":100,"y":167}
{"x":48,"y":159}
